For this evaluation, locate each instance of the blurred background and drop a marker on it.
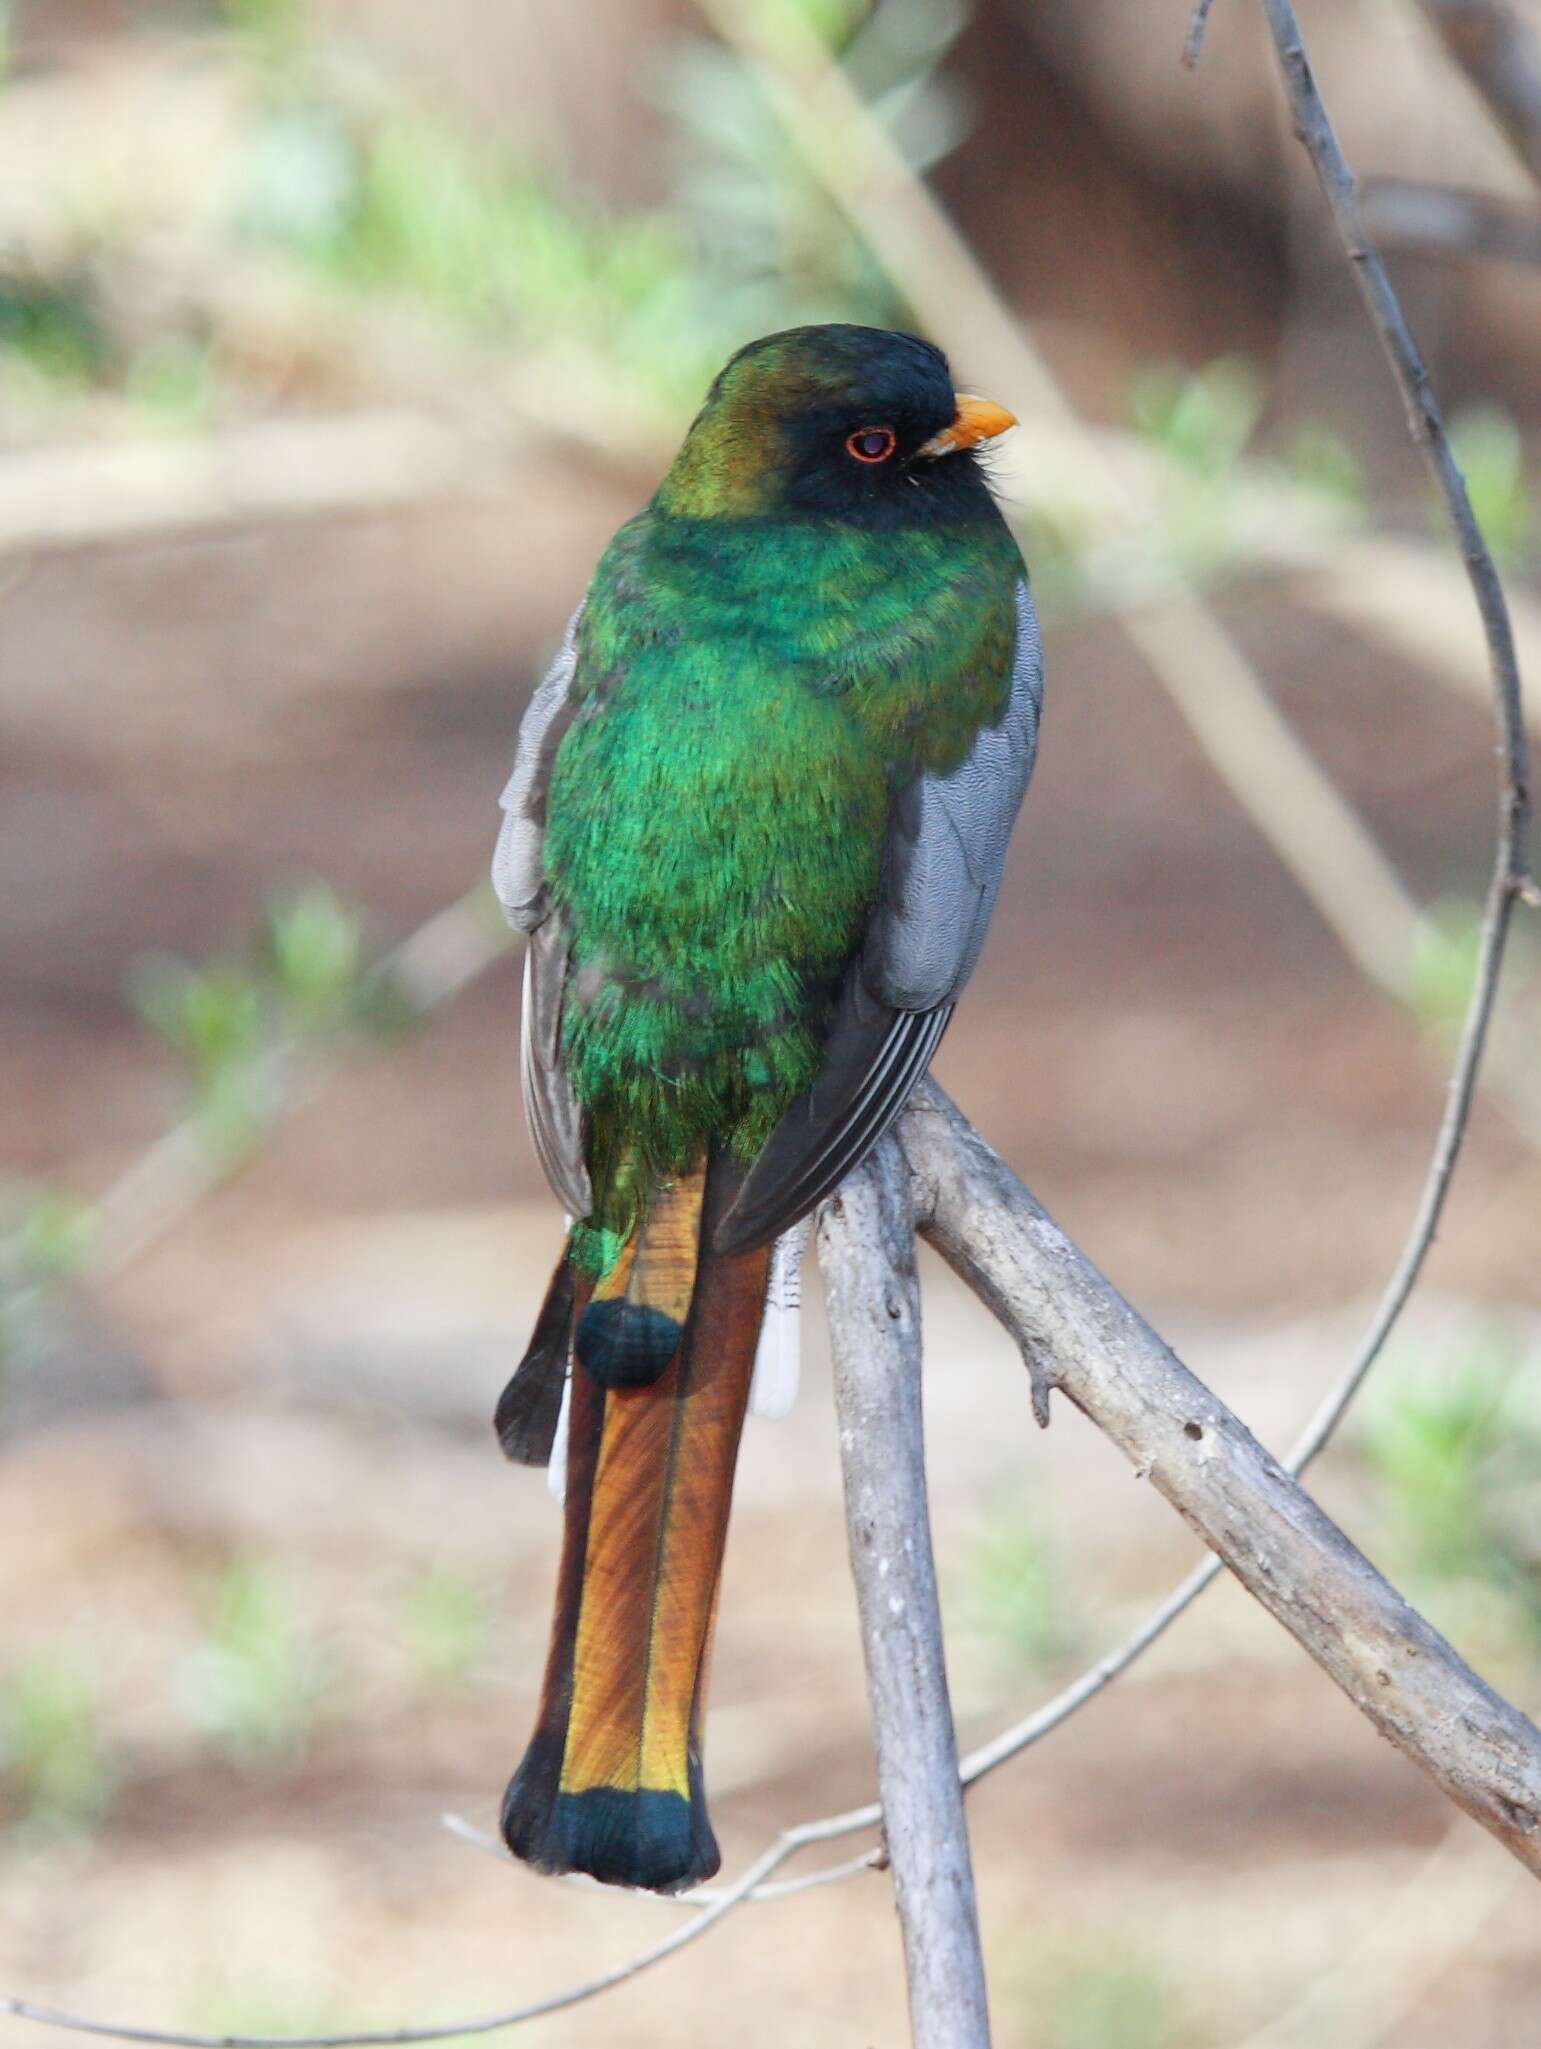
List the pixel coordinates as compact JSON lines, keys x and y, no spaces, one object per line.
{"x":336,"y":336}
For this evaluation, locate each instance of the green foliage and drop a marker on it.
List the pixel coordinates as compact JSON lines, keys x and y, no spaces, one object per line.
{"x":52,"y":1237}
{"x":275,"y":28}
{"x":1318,"y":460}
{"x":273,"y":1996}
{"x":1221,"y":495}
{"x":213,"y":1019}
{"x":1488,"y":451}
{"x":55,"y":1773}
{"x":172,"y":380}
{"x":1444,"y":966}
{"x":228,"y":1020}
{"x":210,"y":1017}
{"x":1104,"y":2001}
{"x":52,"y":326}
{"x":1204,"y":419}
{"x":261,"y":1681}
{"x":770,"y":247}
{"x":407,"y":202}
{"x":46,"y":1236}
{"x":447,"y":1626}
{"x":315,"y":946}
{"x":1452,"y":1438}
{"x":1008,"y":1590}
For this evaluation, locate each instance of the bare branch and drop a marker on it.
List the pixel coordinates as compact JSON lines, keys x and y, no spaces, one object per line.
{"x":270,"y":472}
{"x":867,"y":1253}
{"x":1482,"y":1752}
{"x":1193,"y":45}
{"x":1425,"y":423}
{"x":729,"y":1897}
{"x":1500,"y":54}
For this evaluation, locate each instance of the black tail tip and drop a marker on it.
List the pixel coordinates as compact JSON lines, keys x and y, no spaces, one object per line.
{"x":626,"y":1344}
{"x":654,"y":1842}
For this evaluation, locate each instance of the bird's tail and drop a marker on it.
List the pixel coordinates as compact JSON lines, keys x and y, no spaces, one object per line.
{"x":664,"y":1350}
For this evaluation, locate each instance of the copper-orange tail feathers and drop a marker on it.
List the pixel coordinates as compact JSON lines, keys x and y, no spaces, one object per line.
{"x":663,"y":1353}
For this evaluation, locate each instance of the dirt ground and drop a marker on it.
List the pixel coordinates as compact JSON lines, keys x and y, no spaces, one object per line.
{"x":1164,"y":1041}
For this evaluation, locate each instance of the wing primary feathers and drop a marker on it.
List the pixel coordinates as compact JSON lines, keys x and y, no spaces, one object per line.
{"x":551,"y":1108}
{"x":810,"y":1153}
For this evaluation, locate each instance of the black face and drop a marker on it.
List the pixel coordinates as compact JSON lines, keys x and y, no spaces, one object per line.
{"x":853,"y":407}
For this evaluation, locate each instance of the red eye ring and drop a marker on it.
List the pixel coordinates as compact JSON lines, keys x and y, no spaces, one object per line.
{"x":871,"y":444}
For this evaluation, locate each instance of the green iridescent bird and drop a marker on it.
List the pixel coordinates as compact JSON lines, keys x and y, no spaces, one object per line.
{"x":754,"y":832}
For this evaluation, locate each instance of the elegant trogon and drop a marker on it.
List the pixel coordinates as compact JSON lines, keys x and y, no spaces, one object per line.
{"x":754,"y":833}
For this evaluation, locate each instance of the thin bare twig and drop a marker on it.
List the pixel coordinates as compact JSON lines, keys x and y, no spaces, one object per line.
{"x":1427,"y":428}
{"x":1193,"y":44}
{"x":770,"y":1860}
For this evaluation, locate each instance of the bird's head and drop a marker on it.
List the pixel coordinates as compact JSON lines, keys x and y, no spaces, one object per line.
{"x":851,"y":423}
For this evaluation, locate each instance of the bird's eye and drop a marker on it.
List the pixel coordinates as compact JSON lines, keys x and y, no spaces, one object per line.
{"x":871,"y":444}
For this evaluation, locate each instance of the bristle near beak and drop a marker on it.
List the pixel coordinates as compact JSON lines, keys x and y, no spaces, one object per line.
{"x":976,"y":420}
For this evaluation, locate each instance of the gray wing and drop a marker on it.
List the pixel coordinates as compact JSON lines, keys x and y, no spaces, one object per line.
{"x":947,"y":838}
{"x":519,"y":880}
{"x":947,"y":849}
{"x":518,"y":867}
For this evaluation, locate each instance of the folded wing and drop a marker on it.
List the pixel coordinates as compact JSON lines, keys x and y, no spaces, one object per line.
{"x":946,"y":852}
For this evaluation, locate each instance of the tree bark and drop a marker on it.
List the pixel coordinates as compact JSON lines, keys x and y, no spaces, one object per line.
{"x":1079,"y":1334}
{"x":867,"y":1251}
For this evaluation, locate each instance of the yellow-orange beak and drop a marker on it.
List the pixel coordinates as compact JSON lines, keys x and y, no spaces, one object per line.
{"x":976,"y":420}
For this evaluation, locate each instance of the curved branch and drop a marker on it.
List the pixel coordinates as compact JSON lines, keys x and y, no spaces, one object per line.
{"x":771,"y":1859}
{"x":1074,"y":1327}
{"x":1427,"y":427}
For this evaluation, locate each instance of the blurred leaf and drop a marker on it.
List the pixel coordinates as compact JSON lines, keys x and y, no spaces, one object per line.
{"x":1322,"y":461}
{"x":1203,"y":419}
{"x":52,"y":324}
{"x":53,"y":1763}
{"x":1452,"y":1436}
{"x":831,"y":20}
{"x":261,"y":1683}
{"x":53,"y":1236}
{"x":1444,"y":965}
{"x":446,"y":1624}
{"x":1108,"y":2003}
{"x":771,"y":248}
{"x":1490,"y":455}
{"x":1009,"y":1588}
{"x":275,"y":27}
{"x":172,"y":377}
{"x":209,"y":1016}
{"x":316,"y":945}
{"x":45,"y":1238}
